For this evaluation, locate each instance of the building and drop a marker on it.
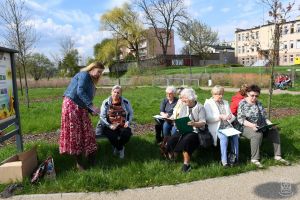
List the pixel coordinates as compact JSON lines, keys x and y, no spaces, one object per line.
{"x":150,"y":47}
{"x":252,"y":45}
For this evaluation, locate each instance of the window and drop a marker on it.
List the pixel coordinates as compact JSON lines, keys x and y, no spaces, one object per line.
{"x":291,"y":58}
{"x":243,"y":36}
{"x":285,"y":59}
{"x":239,"y":49}
{"x":298,"y":44}
{"x":298,"y":28}
{"x":292,"y":28}
{"x":291,"y":44}
{"x":243,"y":49}
{"x":285,"y":46}
{"x":243,"y":61}
{"x":247,"y":36}
{"x":239,"y":37}
{"x":285,"y":30}
{"x":257,"y":34}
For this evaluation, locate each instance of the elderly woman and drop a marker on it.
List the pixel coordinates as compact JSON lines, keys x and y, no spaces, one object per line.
{"x":219,"y":116}
{"x":237,"y":98}
{"x":166,"y":111}
{"x":251,"y":115}
{"x":115,"y":117}
{"x":187,"y":143}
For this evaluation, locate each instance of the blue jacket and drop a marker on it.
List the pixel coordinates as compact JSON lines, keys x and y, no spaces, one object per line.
{"x":81,"y":90}
{"x":105,"y":107}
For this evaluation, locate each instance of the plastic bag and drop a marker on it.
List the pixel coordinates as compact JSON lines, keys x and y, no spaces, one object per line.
{"x":46,"y":168}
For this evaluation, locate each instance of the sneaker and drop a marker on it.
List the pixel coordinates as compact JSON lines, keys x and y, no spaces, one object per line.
{"x":225,"y":165}
{"x":257,"y":163}
{"x":282,"y":161}
{"x":122,"y":153}
{"x":186,"y":168}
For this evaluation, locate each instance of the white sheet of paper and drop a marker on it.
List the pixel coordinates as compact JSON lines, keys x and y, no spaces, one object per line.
{"x":230,"y":131}
{"x":158,"y":116}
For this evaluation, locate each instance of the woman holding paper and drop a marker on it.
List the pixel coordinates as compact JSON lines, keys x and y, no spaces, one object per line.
{"x":187,"y":143}
{"x":219,"y":117}
{"x":77,"y":135}
{"x":251,"y":115}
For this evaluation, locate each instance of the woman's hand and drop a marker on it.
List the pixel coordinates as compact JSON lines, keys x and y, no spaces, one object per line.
{"x":253,"y":126}
{"x":114,"y":126}
{"x":223,"y":117}
{"x":96,"y":111}
{"x":126,"y":124}
{"x":191,"y":123}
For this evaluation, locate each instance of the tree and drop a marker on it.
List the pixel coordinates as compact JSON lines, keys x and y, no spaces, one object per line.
{"x":19,"y":33}
{"x":163,"y":15}
{"x":199,"y":35}
{"x":106,"y":51}
{"x":278,"y":14}
{"x":69,"y":64}
{"x":38,"y":65}
{"x":125,"y":25}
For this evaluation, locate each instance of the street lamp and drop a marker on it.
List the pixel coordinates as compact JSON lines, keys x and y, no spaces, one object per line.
{"x":188,"y":43}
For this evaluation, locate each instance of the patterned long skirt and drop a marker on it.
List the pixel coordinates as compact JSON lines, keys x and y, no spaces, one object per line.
{"x":77,"y":135}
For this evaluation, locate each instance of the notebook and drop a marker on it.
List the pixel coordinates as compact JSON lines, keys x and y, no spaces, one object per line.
{"x":229,"y":131}
{"x":266,"y":127}
{"x":181,"y":125}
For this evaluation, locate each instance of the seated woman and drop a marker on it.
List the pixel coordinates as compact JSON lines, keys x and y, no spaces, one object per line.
{"x":176,"y":109}
{"x":188,"y":142}
{"x":115,"y":117}
{"x":251,"y":115}
{"x":237,"y":98}
{"x":166,"y":110}
{"x":219,"y":116}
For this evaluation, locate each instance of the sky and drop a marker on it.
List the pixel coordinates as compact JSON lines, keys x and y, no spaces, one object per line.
{"x":80,"y":20}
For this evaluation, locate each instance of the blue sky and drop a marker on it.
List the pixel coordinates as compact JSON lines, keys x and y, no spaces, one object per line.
{"x":55,"y":19}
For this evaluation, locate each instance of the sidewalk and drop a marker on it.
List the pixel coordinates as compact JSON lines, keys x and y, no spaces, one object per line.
{"x":273,"y":183}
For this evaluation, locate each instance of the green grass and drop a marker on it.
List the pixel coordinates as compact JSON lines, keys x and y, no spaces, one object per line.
{"x":45,"y":111}
{"x":212,"y":69}
{"x":143,"y":166}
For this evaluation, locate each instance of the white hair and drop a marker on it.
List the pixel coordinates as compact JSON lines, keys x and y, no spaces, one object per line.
{"x":217,"y":89}
{"x":170,"y":89}
{"x":116,"y":87}
{"x":189,"y":93}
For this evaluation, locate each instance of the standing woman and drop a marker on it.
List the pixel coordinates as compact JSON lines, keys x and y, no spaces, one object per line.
{"x":77,"y":135}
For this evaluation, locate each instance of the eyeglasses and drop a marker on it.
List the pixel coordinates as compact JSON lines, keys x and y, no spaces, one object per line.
{"x":253,"y":95}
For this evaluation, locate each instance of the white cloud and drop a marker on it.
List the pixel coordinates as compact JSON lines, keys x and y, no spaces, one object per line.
{"x":225,"y":10}
{"x":73,"y":16}
{"x":116,"y":3}
{"x":33,"y":4}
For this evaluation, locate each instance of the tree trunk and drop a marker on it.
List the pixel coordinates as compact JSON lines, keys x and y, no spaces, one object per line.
{"x":20,"y":79}
{"x":26,"y":85}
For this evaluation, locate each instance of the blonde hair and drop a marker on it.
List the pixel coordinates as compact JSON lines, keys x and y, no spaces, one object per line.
{"x":243,"y":89}
{"x":217,"y":89}
{"x":92,"y":66}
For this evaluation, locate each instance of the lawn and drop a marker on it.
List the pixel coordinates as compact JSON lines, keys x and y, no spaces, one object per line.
{"x":143,"y":165}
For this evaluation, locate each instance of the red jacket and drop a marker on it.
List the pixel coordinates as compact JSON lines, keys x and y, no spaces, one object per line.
{"x":235,"y":100}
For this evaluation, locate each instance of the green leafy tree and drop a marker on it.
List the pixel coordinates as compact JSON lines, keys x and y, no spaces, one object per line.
{"x":38,"y":64}
{"x":126,"y":27}
{"x":69,"y":64}
{"x":199,"y":35}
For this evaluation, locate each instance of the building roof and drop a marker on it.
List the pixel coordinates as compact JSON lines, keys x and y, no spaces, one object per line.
{"x":221,"y":47}
{"x":269,"y":24}
{"x":4,"y":49}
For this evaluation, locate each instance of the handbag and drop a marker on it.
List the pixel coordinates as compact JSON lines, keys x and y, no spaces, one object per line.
{"x":205,"y":137}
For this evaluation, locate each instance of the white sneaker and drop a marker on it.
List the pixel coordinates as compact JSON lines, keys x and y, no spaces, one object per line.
{"x":281,"y":160}
{"x":257,"y":163}
{"x":122,"y":153}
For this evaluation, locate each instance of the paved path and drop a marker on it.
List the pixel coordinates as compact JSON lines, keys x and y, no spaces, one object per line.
{"x":272,"y":183}
{"x":263,"y":91}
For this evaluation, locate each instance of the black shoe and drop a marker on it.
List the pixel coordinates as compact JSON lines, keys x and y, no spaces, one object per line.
{"x":186,"y":168}
{"x":234,"y":164}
